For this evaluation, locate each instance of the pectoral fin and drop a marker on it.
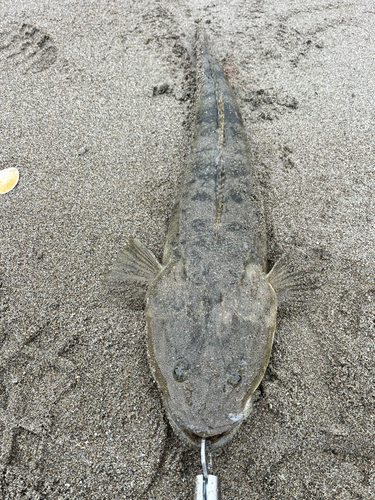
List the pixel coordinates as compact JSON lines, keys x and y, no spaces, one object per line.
{"x":298,"y":270}
{"x":133,"y":270}
{"x":135,"y":263}
{"x":281,"y":278}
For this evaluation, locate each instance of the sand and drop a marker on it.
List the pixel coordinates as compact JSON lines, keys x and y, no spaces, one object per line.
{"x":96,"y":112}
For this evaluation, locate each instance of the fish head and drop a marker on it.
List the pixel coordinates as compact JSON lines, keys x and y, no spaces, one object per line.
{"x":209,"y":345}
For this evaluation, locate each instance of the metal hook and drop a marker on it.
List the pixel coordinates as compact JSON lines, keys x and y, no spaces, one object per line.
{"x":207,"y":486}
{"x":204,"y":468}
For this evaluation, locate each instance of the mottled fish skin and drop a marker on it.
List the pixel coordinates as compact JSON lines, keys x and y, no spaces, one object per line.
{"x":211,"y":311}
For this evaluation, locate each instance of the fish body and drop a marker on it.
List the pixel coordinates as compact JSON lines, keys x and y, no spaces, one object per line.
{"x":210,"y":306}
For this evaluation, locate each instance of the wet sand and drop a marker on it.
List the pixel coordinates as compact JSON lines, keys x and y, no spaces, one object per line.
{"x":100,"y":155}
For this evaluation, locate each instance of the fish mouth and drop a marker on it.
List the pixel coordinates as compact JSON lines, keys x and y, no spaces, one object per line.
{"x":214,"y":440}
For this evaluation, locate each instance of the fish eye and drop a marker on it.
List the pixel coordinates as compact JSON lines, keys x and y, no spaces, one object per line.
{"x":181,"y":370}
{"x":234,"y":375}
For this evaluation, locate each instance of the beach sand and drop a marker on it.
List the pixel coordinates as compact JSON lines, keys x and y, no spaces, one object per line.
{"x":97,"y":113}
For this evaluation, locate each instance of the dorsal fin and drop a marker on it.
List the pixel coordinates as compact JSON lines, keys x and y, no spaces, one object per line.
{"x":134,"y":264}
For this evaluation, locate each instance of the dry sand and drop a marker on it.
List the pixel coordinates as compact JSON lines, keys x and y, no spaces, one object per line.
{"x":100,"y":159}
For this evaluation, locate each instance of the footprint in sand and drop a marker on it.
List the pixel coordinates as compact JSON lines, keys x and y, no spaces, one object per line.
{"x":28,"y":48}
{"x":31,"y":381}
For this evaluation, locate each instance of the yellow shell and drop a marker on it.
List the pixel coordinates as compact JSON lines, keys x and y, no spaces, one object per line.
{"x":8,"y":179}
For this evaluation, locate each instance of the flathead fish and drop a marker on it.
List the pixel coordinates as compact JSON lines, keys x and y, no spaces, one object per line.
{"x":210,"y":305}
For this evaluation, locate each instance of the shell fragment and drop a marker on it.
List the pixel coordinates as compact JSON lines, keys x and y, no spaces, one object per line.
{"x":8,"y":179}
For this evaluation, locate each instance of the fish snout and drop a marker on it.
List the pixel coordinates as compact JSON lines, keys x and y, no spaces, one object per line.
{"x":216,"y":435}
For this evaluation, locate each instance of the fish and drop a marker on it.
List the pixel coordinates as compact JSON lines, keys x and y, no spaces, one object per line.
{"x":211,"y":305}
